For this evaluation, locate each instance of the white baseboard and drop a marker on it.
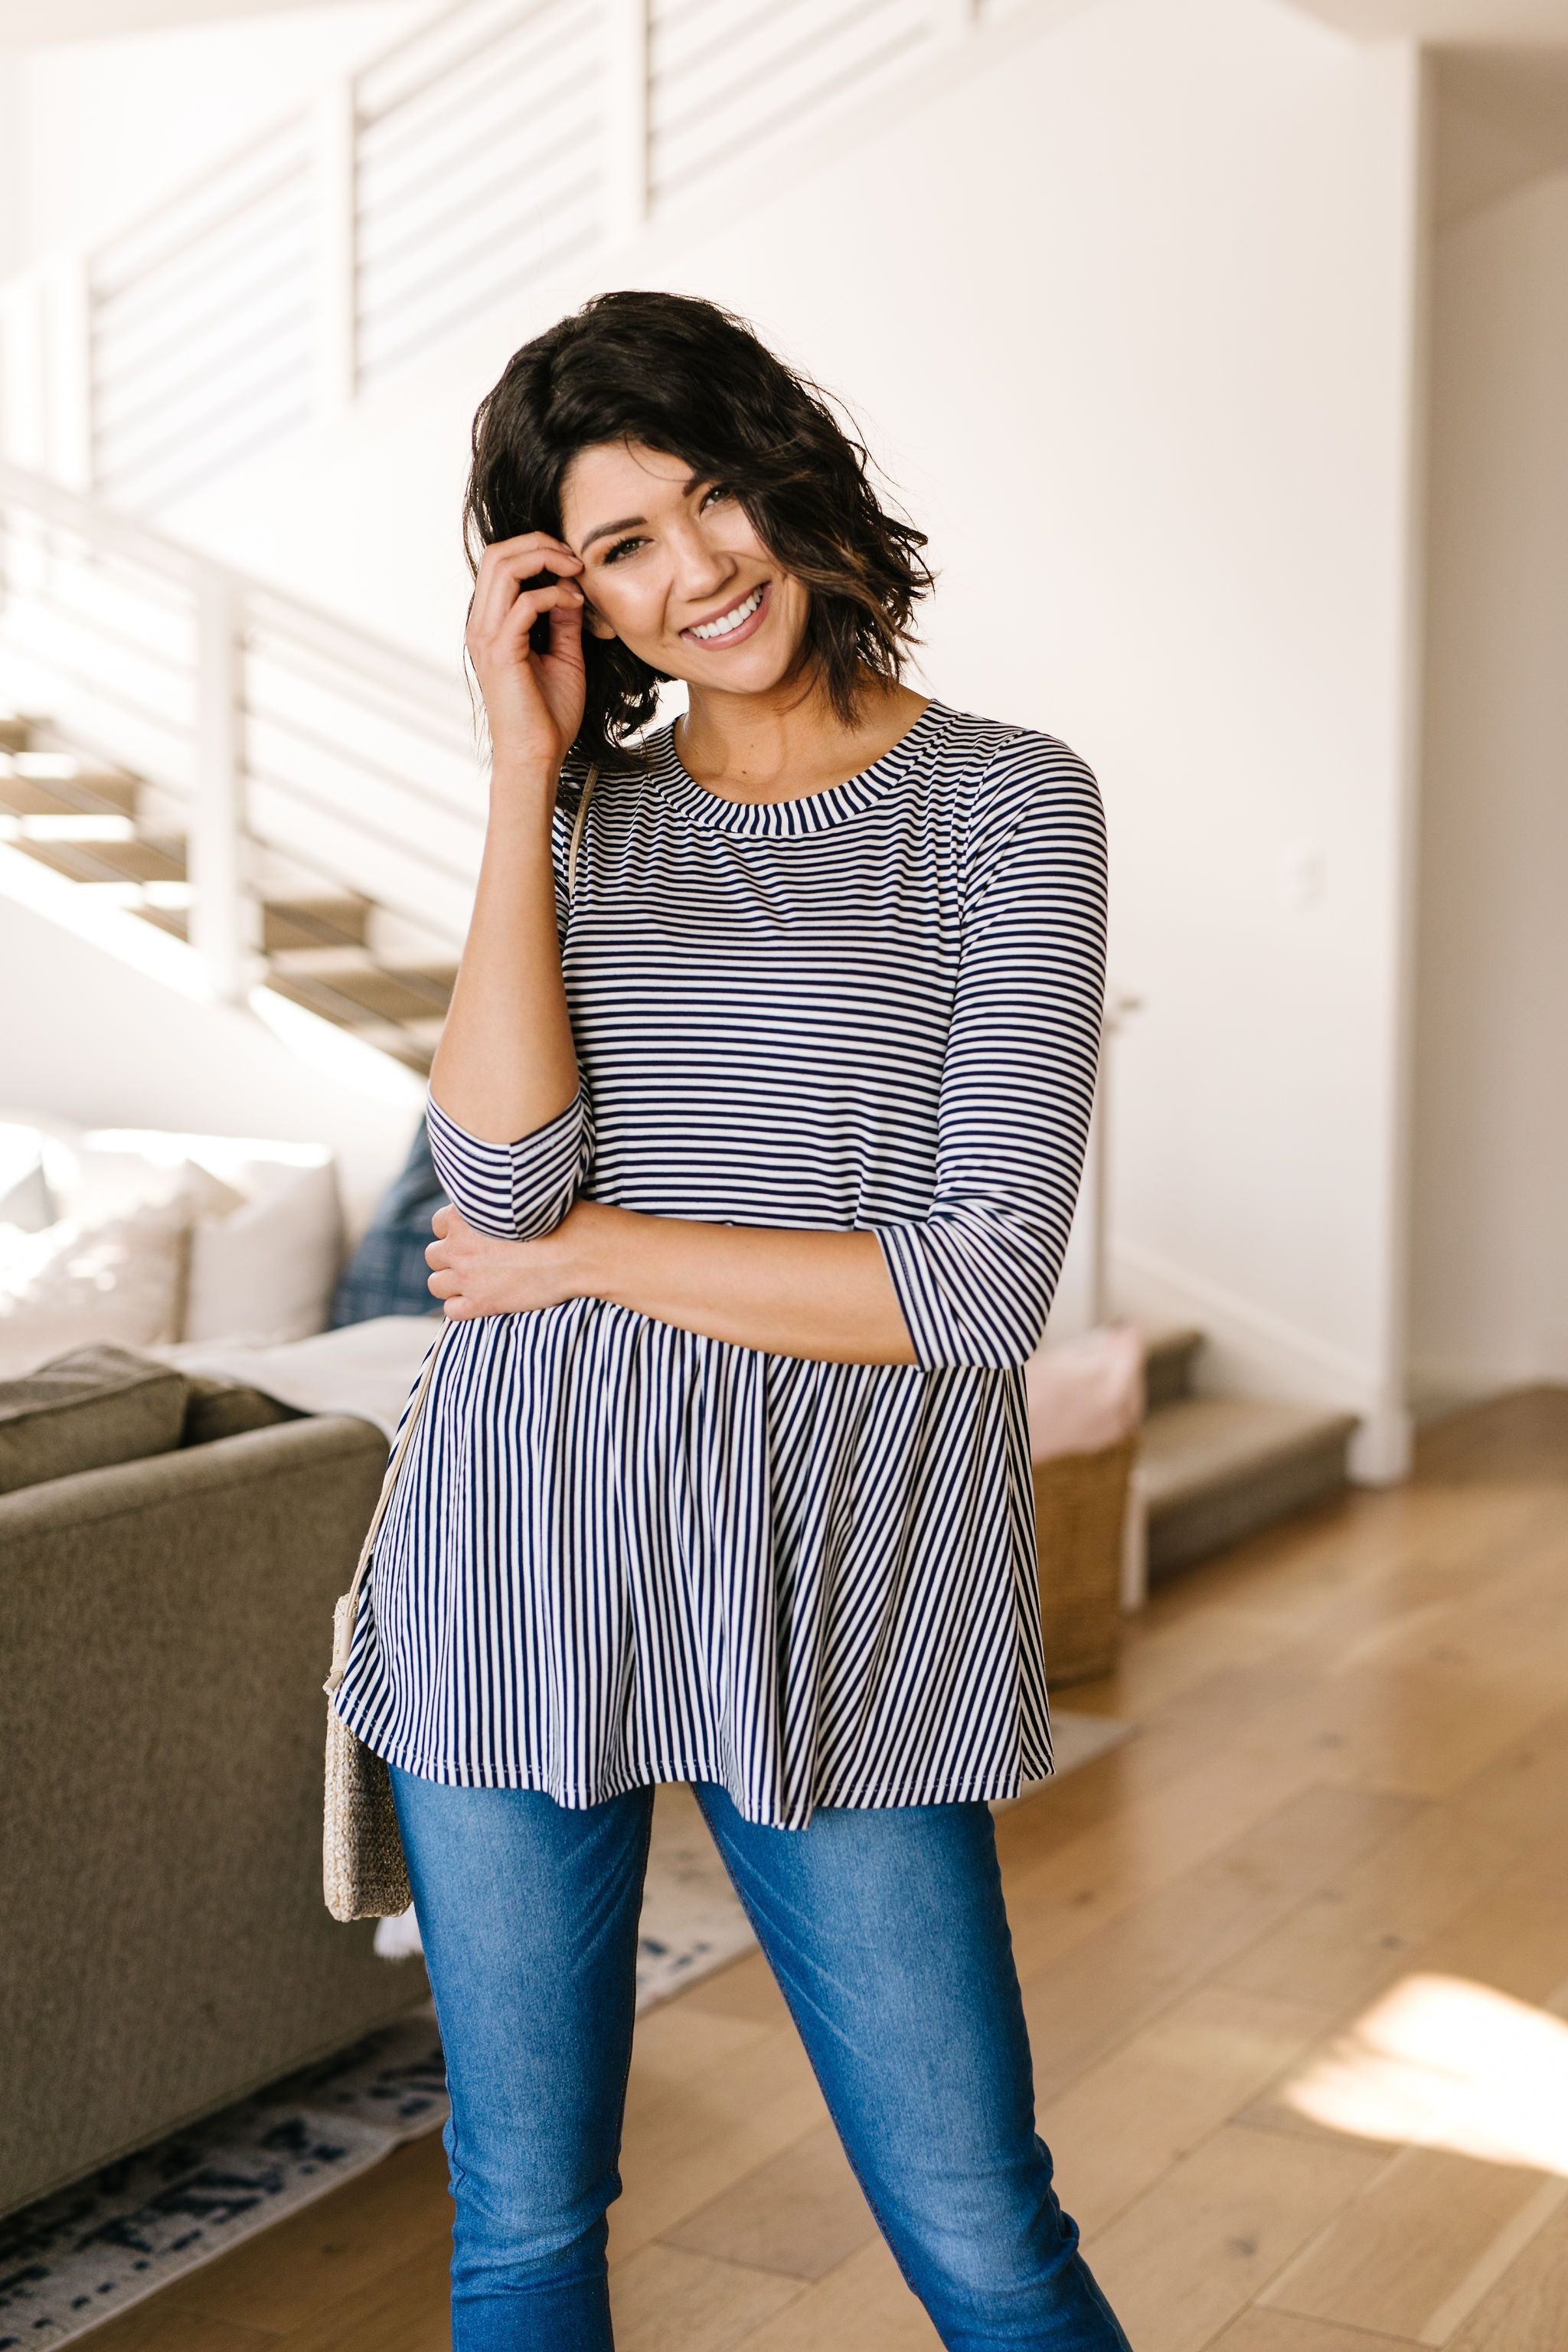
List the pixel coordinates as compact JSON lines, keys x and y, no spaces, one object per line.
{"x":1252,"y":1352}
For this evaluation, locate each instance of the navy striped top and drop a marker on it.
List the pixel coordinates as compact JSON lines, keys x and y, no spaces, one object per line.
{"x":621,"y":1552}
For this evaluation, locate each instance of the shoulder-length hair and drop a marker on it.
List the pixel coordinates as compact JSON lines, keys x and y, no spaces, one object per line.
{"x":685,"y":376}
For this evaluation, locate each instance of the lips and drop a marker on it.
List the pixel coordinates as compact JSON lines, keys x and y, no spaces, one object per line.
{"x":749,"y":606}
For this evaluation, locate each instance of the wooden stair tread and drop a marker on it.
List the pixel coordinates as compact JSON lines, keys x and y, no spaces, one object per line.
{"x":410,"y":1040}
{"x":378,"y":990}
{"x":289,"y":923}
{"x":137,"y":859}
{"x":65,"y":808}
{"x":94,"y":796}
{"x":1190,"y":1448}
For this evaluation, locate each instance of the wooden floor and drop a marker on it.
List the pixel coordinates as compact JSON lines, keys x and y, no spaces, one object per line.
{"x":1294,"y":1958}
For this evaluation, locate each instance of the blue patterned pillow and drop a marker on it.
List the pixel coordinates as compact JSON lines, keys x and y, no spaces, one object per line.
{"x":387,"y":1274}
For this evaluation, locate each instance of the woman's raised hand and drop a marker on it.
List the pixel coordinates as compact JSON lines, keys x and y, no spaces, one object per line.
{"x":533,"y":701}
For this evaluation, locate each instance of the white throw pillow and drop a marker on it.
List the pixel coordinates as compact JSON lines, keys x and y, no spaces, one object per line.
{"x":265,"y":1273}
{"x":121,"y":1280}
{"x":91,"y":1173}
{"x":24,"y":1198}
{"x":267,"y":1225}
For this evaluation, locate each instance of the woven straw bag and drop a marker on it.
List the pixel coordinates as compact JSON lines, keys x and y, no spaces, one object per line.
{"x":363,"y":1873}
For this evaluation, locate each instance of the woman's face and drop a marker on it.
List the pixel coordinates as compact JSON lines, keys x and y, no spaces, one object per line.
{"x":665,"y":555}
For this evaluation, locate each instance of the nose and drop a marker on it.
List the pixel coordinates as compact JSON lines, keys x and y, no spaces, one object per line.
{"x":699,"y":569}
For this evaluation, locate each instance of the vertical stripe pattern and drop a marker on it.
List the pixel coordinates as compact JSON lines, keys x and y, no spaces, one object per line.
{"x":622,"y":1552}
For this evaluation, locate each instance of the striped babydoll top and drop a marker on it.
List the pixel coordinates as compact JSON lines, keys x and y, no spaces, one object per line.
{"x":622,"y":1552}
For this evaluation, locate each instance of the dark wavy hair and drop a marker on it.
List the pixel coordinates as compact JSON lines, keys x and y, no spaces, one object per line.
{"x":687,"y":377}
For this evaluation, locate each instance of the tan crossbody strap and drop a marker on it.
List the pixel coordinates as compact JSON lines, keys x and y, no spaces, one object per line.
{"x":580,"y":820}
{"x":349,"y":1614}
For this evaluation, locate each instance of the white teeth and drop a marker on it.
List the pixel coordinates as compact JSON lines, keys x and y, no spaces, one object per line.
{"x":722,"y":628}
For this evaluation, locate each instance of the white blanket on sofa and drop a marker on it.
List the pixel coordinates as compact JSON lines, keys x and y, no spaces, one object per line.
{"x":366,"y":1369}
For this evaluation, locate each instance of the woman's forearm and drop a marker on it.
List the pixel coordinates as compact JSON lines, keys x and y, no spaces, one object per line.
{"x":822,"y":1294}
{"x":827,"y":1295}
{"x":506,"y":1064}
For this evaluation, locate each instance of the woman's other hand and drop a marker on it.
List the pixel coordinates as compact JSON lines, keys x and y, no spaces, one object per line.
{"x":475,"y":1273}
{"x":533,"y":701}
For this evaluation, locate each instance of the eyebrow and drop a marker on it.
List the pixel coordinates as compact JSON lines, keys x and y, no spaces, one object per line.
{"x":632,"y":523}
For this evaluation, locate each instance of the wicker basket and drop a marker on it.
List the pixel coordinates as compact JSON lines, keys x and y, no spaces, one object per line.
{"x":1081,"y":1510}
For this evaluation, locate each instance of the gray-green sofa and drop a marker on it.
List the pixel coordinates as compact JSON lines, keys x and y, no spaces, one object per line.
{"x":166,"y":1625}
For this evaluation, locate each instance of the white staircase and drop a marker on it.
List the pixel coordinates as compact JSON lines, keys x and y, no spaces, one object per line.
{"x":301,"y":802}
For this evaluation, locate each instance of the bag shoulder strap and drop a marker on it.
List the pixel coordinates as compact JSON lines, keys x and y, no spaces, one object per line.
{"x":347,"y":1612}
{"x":578,"y":822}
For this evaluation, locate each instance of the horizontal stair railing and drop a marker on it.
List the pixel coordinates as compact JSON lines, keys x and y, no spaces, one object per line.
{"x":482,"y":151}
{"x":285,"y":756}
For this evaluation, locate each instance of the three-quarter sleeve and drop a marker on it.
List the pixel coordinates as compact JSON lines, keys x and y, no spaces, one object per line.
{"x":975,"y":1276}
{"x":514,"y":1192}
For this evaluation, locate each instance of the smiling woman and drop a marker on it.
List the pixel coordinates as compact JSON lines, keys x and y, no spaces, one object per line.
{"x":762,"y":1147}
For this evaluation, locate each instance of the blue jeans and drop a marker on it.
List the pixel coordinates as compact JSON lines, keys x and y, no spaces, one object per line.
{"x":886,"y":1930}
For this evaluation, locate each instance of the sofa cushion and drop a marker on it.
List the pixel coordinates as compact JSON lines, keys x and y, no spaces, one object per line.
{"x":85,"y":1410}
{"x":218,"y":1408}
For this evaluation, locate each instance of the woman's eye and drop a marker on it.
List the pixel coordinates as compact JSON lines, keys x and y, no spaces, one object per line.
{"x":717,"y":490}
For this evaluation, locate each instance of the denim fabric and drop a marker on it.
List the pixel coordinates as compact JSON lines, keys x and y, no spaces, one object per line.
{"x":886,"y":1929}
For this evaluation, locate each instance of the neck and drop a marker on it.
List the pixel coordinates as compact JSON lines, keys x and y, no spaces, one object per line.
{"x":787,"y":740}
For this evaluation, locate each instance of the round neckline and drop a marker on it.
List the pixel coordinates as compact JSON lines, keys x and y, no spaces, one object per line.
{"x":810,"y":811}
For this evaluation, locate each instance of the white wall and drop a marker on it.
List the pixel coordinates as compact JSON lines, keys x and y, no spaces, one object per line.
{"x":1491,"y":1272}
{"x":106,"y":126}
{"x":1125,"y":312}
{"x":13,"y":169}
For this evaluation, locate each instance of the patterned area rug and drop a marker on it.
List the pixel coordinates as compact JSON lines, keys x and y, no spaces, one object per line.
{"x":85,"y":2255}
{"x":81,"y":2257}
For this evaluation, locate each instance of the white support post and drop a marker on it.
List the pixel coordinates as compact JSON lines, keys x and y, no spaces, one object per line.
{"x":222,"y":919}
{"x":1118,"y":1004}
{"x":627,"y":157}
{"x":337,"y":242}
{"x":1098,"y":1187}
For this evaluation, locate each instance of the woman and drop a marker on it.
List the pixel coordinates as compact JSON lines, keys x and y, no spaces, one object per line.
{"x":762,"y":1145}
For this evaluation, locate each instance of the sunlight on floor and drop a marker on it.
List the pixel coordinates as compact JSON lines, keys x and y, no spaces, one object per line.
{"x":1443,"y":2063}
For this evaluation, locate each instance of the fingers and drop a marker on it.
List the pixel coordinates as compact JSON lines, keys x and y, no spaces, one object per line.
{"x":563,"y":604}
{"x":503,"y":565}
